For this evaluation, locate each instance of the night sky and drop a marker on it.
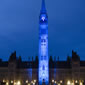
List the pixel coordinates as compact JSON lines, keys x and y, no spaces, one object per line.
{"x":19,"y":27}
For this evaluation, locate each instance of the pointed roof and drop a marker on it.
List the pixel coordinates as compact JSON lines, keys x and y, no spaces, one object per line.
{"x":43,"y":8}
{"x":13,"y":56}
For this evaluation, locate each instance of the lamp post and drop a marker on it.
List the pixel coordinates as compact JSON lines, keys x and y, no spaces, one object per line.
{"x":68,"y":82}
{"x":52,"y":81}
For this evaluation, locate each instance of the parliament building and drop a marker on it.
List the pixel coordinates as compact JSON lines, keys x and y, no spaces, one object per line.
{"x":18,"y":72}
{"x":44,"y":70}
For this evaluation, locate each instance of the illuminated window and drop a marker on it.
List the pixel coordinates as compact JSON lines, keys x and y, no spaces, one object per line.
{"x":43,"y":67}
{"x":43,"y":31}
{"x":44,"y":57}
{"x":43,"y":40}
{"x":41,"y":57}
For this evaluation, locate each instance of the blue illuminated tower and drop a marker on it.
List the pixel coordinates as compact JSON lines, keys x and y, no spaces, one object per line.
{"x":43,"y":46}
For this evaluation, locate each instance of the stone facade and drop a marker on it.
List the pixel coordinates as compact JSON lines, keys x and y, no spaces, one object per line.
{"x":60,"y":72}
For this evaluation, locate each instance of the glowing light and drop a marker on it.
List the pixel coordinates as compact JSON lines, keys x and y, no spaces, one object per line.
{"x":81,"y":83}
{"x":52,"y":81}
{"x":72,"y":83}
{"x":43,"y":18}
{"x":35,"y":81}
{"x":55,"y":82}
{"x":7,"y":83}
{"x":11,"y":81}
{"x":29,"y":84}
{"x":68,"y":83}
{"x":76,"y":81}
{"x":58,"y":83}
{"x":3,"y":80}
{"x":31,"y":81}
{"x":43,"y":50}
{"x":18,"y":83}
{"x":14,"y":83}
{"x":61,"y":81}
{"x":26,"y":81}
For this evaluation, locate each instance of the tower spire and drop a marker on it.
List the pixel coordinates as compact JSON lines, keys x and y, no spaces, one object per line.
{"x":43,"y":46}
{"x":43,"y":8}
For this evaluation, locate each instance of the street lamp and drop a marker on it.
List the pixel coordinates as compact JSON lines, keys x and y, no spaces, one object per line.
{"x":55,"y":82}
{"x":11,"y":81}
{"x":68,"y":82}
{"x":52,"y":81}
{"x":18,"y":83}
{"x":81,"y":83}
{"x":61,"y":81}
{"x":31,"y":81}
{"x":58,"y":83}
{"x":3,"y":80}
{"x":26,"y":81}
{"x":35,"y":81}
{"x":72,"y":83}
{"x":14,"y":83}
{"x":7,"y":83}
{"x":76,"y":81}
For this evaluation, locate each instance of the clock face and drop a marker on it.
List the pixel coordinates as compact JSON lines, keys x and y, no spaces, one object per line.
{"x":43,"y":18}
